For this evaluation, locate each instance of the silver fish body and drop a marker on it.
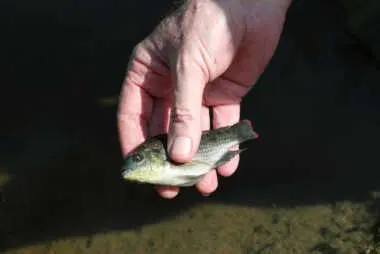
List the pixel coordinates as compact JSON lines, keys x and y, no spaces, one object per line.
{"x":150,"y":163}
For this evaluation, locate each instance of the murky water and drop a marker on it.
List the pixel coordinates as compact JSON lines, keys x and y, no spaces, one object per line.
{"x":308,"y":186}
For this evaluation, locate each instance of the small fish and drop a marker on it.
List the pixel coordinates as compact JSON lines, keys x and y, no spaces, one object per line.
{"x":150,"y":163}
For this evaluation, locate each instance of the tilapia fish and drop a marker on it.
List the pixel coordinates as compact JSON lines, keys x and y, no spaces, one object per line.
{"x":149,"y":163}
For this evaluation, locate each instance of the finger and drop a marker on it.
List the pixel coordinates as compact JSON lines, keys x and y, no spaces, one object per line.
{"x":205,"y":118}
{"x":135,"y":109}
{"x":225,"y":115}
{"x":160,"y":124}
{"x":185,"y":124}
{"x":168,"y":192}
{"x":159,"y":121}
{"x":210,"y":181}
{"x":223,"y":91}
{"x":144,"y":74}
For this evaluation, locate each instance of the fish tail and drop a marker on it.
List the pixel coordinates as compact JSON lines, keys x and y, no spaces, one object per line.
{"x":245,"y":131}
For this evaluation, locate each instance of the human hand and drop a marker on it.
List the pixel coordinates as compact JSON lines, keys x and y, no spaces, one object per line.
{"x":206,"y":54}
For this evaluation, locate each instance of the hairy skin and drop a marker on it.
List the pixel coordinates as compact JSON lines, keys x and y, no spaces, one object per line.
{"x":205,"y":56}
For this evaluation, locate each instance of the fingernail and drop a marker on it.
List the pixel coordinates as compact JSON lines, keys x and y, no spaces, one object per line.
{"x":181,"y":146}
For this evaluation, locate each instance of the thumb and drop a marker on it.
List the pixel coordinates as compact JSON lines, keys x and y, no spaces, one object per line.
{"x":185,"y":125}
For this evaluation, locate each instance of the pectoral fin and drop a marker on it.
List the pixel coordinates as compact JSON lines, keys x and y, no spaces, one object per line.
{"x":191,"y":173}
{"x":228,"y":156}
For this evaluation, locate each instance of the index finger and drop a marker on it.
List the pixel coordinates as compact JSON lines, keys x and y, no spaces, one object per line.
{"x":135,"y":109}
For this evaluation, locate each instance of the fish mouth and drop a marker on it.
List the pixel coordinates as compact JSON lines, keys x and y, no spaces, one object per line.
{"x":125,"y":172}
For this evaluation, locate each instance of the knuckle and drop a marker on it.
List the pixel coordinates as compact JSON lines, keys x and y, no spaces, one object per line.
{"x":138,"y":49}
{"x":181,"y":115}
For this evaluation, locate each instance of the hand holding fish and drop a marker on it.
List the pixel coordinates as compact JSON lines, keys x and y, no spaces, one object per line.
{"x":205,"y":56}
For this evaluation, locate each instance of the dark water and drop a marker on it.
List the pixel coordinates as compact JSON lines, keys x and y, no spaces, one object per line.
{"x":315,"y":107}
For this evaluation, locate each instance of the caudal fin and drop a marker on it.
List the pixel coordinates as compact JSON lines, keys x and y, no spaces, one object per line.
{"x":245,"y":131}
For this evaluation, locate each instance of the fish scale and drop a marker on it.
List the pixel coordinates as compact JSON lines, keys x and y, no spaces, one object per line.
{"x":212,"y":154}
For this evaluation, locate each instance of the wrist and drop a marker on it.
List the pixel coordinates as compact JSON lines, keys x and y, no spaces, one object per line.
{"x":264,"y":12}
{"x":266,"y":5}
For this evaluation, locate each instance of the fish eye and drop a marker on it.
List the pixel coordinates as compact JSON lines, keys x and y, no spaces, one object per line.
{"x":137,"y":157}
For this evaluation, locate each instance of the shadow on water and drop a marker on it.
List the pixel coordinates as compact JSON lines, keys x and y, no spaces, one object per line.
{"x":315,"y":108}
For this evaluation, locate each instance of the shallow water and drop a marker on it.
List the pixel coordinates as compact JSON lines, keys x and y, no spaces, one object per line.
{"x":305,"y":187}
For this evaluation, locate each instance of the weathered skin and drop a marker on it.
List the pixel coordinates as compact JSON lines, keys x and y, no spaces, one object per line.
{"x":149,"y":163}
